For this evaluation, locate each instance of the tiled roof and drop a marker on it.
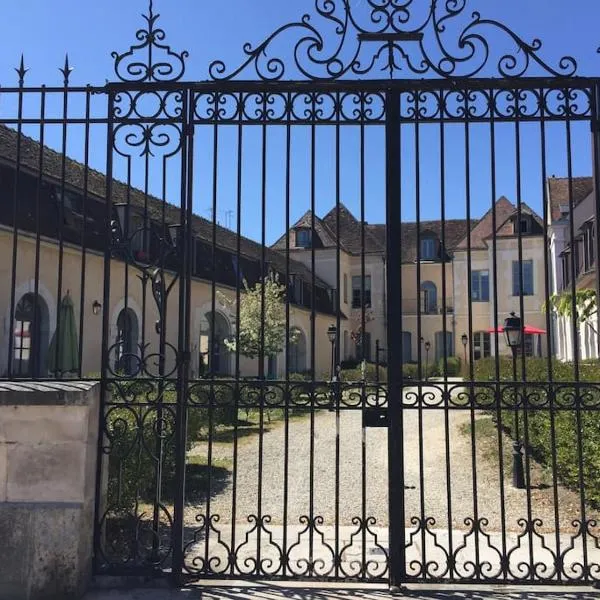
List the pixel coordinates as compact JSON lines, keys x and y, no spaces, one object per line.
{"x":559,"y":190}
{"x":97,"y":183}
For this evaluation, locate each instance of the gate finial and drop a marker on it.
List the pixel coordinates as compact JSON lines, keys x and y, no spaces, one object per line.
{"x":158,"y":62}
{"x":66,"y":70}
{"x":21,"y":71}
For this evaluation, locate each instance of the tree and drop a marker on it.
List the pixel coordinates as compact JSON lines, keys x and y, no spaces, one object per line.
{"x":254,"y":323}
{"x":585,"y":305}
{"x":356,"y":324}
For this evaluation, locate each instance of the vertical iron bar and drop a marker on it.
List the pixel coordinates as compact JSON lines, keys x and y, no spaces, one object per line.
{"x":574,"y":320}
{"x":61,"y":223}
{"x":212,"y":336}
{"x":15,"y":231}
{"x":86,"y":170}
{"x":448,"y":455}
{"x":397,"y":549}
{"x":34,"y":356}
{"x":523,"y":447}
{"x":313,"y":193}
{"x":476,"y":524}
{"x":288,"y":278}
{"x":261,"y":354}
{"x":338,"y":396}
{"x":104,"y":386}
{"x":420,"y":310}
{"x":185,"y":247}
{"x":364,"y":399}
{"x":238,"y":296}
{"x":547,"y":215}
{"x":497,"y":389}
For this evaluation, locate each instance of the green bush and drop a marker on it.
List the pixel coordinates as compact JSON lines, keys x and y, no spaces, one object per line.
{"x":573,"y":428}
{"x":370,"y":375}
{"x":451,"y":367}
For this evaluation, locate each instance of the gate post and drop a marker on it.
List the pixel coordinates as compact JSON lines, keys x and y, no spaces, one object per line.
{"x":394,"y":342}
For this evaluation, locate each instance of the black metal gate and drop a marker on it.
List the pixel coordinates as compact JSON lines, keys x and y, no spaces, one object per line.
{"x":247,"y":431}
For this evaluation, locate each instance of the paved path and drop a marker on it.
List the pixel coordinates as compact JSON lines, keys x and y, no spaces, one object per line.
{"x":275,"y":592}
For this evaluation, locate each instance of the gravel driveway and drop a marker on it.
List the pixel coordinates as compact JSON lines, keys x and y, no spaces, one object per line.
{"x":426,"y":467}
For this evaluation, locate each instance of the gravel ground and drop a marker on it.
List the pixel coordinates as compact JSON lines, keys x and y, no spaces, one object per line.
{"x":425,"y":467}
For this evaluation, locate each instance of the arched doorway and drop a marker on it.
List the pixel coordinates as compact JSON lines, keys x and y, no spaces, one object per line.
{"x":126,"y":344}
{"x":297,"y":351}
{"x":31,"y":337}
{"x":214,"y":354}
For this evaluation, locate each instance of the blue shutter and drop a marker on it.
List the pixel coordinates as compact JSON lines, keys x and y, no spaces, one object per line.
{"x":485,"y":286}
{"x":516,"y":282}
{"x":528,"y":278}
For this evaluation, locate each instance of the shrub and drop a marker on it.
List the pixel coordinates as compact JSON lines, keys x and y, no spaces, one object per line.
{"x":564,"y":444}
{"x":370,"y":375}
{"x":451,"y":368}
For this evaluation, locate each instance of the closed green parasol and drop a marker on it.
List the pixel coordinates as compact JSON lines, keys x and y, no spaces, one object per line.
{"x":63,"y":353}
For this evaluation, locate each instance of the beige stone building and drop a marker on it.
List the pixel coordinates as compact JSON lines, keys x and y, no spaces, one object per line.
{"x":572,"y":261}
{"x":52,"y":237}
{"x":435,"y":267}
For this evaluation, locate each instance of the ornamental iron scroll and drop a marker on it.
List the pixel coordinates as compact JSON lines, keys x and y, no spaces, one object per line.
{"x":150,"y":60}
{"x":396,"y":37}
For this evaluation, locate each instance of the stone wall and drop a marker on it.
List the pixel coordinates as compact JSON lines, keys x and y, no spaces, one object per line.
{"x":48,"y":451}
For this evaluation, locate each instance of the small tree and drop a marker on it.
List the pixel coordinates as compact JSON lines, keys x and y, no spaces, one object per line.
{"x":585,"y":305}
{"x":254,"y":322}
{"x":356,"y":324}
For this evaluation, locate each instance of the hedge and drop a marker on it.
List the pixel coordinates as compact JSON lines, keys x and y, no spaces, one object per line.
{"x":567,"y":422}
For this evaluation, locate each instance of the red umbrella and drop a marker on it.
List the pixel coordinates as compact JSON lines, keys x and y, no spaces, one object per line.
{"x":526,"y":329}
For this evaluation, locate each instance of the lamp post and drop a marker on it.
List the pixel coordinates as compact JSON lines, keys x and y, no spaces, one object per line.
{"x":427,"y":348}
{"x":332,"y":335}
{"x":464,"y":338}
{"x":513,"y":330}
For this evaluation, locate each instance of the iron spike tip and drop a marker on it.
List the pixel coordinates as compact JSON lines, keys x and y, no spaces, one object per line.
{"x":66,"y":69}
{"x":21,"y":69}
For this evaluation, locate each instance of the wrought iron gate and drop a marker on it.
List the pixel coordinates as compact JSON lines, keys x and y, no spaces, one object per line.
{"x":246,"y":431}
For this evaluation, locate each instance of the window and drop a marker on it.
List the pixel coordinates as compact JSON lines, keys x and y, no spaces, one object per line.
{"x":126,"y":343}
{"x":566,"y":269}
{"x":357,"y":292}
{"x":428,"y":249}
{"x":588,"y":247}
{"x":237,"y":268}
{"x":480,"y":286}
{"x":297,"y":351}
{"x":526,"y":267}
{"x":440,"y":347}
{"x":298,"y":293}
{"x":303,"y":238}
{"x":428,"y":298}
{"x":481,"y":345}
{"x":345,"y":288}
{"x":525,"y":225}
{"x":528,"y":342}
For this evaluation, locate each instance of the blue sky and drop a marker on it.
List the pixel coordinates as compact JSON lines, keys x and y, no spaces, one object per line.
{"x":90,"y":31}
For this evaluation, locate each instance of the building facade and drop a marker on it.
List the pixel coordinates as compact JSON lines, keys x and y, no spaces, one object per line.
{"x":572,"y":216}
{"x":458,"y":278}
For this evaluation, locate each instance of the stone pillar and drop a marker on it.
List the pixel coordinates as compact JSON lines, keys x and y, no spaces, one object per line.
{"x":48,"y":452}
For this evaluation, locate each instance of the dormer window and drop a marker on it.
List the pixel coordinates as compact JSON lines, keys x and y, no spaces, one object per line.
{"x":428,"y":248}
{"x":303,"y":238}
{"x":524,"y":225}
